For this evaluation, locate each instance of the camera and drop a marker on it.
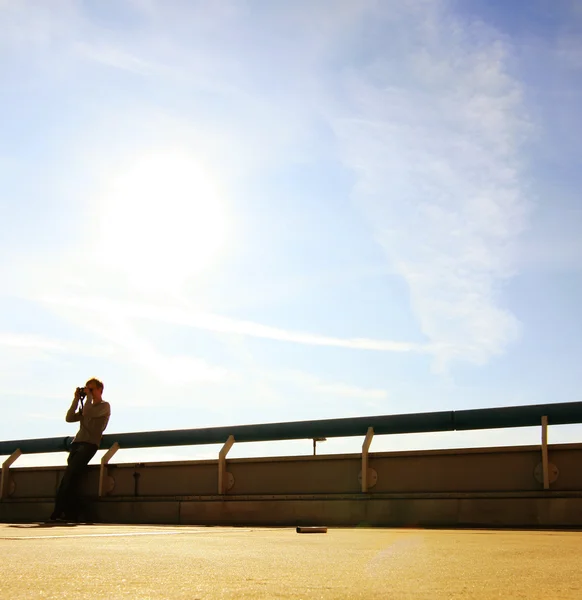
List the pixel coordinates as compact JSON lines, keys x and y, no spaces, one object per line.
{"x":82,"y":392}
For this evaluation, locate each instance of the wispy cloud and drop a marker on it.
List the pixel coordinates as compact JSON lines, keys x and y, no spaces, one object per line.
{"x":432,"y":124}
{"x":131,"y":347}
{"x":112,"y":56}
{"x":220,"y":324}
{"x":122,"y":344}
{"x":431,"y":121}
{"x":126,"y":346}
{"x":424,"y":110}
{"x":33,"y":343}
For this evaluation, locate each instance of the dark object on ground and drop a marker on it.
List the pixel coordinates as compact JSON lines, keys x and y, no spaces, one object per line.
{"x":311,"y":529}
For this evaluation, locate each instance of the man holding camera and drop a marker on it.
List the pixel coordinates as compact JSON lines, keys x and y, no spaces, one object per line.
{"x":93,"y":417}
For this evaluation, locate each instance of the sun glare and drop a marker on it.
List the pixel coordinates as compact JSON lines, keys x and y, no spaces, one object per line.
{"x":162,"y":221}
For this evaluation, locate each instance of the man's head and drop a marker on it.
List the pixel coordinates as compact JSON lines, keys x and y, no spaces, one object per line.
{"x":94,"y":389}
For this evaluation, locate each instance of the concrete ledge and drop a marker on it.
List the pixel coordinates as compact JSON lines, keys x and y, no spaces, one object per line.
{"x":510,"y":470}
{"x":498,"y":487}
{"x":514,"y":511}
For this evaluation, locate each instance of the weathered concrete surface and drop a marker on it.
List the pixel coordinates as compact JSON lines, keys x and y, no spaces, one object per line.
{"x":147,"y":562}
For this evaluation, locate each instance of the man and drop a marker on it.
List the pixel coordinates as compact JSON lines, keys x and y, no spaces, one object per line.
{"x":93,"y":418}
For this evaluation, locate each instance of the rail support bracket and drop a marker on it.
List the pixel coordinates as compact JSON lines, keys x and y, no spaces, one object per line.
{"x":106,"y":482}
{"x":225,"y":479}
{"x":545,"y":471}
{"x":315,"y":440}
{"x":545,"y":452}
{"x":7,"y":485}
{"x":367,"y":477}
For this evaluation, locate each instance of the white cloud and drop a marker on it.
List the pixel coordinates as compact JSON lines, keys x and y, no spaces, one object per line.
{"x":177,"y":372}
{"x":122,"y":344}
{"x":430,"y":120}
{"x":33,"y":342}
{"x":217,"y":323}
{"x":37,"y":345}
{"x":425,"y":113}
{"x":433,"y":131}
{"x":133,"y":348}
{"x":112,"y":56}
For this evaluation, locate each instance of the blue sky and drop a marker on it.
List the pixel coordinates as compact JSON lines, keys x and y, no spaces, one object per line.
{"x":239,"y":212}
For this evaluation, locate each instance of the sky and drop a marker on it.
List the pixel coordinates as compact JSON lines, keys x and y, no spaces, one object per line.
{"x":251,"y":211}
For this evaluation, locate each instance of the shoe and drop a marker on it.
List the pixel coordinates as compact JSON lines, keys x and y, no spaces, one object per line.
{"x":56,"y":518}
{"x":71,"y":518}
{"x":88,"y":516}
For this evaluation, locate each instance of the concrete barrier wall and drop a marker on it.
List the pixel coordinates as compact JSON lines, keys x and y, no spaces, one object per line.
{"x":487,"y":486}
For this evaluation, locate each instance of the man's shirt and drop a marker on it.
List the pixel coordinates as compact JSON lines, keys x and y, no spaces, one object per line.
{"x":93,"y":421}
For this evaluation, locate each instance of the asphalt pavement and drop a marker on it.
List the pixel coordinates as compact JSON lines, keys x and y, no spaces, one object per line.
{"x":156,"y":562}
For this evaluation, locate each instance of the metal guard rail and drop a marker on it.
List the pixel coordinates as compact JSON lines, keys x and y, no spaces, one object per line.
{"x":485,"y":418}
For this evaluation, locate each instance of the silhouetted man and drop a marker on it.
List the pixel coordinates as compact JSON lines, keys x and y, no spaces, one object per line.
{"x":93,"y":418}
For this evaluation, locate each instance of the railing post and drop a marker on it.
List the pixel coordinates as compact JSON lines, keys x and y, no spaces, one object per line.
{"x":222,"y":474}
{"x":545,"y":464}
{"x":315,"y":440}
{"x":5,"y":481}
{"x":103,"y":474}
{"x":365,"y":448}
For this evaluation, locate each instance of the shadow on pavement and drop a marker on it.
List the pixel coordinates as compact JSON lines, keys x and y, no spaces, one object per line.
{"x":47,"y":524}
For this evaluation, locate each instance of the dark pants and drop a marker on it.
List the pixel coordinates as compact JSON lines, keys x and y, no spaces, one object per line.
{"x":67,"y":500}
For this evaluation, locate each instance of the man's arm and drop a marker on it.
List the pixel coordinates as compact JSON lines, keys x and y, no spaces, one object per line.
{"x":72,"y":414}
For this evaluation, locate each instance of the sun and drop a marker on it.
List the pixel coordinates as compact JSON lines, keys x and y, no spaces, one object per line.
{"x":162,"y":220}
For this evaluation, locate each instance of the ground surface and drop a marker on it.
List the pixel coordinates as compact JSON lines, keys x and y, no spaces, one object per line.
{"x":139,"y":562}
